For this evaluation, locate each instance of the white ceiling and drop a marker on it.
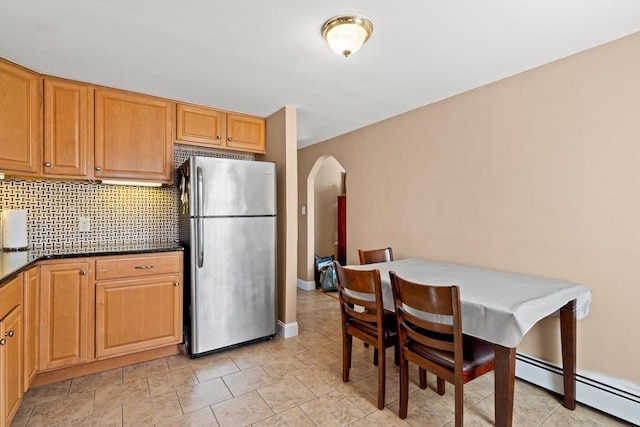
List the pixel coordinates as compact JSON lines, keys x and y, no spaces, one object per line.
{"x":258,"y":56}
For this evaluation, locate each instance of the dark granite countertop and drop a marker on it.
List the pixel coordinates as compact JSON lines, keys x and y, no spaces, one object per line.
{"x":16,"y":261}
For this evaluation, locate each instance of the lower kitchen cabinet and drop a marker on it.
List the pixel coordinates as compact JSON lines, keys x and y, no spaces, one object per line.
{"x":138,"y":302}
{"x":65,"y":314}
{"x":11,"y":374}
{"x":31,"y":315}
{"x":138,"y":314}
{"x":68,"y":317}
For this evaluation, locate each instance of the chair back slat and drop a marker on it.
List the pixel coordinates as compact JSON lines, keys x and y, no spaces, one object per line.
{"x":431,"y":334}
{"x":349,"y":304}
{"x":352,"y":300}
{"x":375,"y":255}
{"x":428,"y":298}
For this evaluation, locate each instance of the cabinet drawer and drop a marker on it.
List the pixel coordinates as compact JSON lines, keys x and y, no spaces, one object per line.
{"x":137,"y":266}
{"x":10,"y":295}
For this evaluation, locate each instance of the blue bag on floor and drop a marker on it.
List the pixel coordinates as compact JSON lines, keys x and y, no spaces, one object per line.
{"x":330,"y":279}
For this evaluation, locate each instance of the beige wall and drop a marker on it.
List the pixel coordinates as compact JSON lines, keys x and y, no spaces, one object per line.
{"x":281,"y":149}
{"x":328,"y":185}
{"x":538,"y":173}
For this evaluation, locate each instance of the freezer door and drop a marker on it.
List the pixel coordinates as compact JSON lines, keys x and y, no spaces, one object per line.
{"x":227,"y":187}
{"x":234,"y":289}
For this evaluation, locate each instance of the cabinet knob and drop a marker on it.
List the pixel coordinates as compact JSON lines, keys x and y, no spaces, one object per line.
{"x":176,"y":284}
{"x":83,"y":272}
{"x":218,"y":137}
{"x":47,"y":164}
{"x":9,"y":334}
{"x":3,"y":341}
{"x":143,"y":267}
{"x":229,"y":139}
{"x":98,"y":168}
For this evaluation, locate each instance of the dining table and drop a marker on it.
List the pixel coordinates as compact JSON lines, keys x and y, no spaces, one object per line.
{"x":501,"y":307}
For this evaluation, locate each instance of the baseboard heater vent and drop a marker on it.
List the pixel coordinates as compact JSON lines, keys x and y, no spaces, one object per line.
{"x":607,"y":398}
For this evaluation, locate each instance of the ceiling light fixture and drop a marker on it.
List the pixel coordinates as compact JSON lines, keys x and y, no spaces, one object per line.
{"x":347,"y":33}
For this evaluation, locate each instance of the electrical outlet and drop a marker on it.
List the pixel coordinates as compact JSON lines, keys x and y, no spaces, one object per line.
{"x":84,"y":224}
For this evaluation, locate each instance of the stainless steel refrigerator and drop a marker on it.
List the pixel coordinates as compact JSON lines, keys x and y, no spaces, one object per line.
{"x":227,"y":223}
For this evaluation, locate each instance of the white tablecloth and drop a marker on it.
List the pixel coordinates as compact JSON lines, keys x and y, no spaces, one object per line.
{"x":497,"y":306}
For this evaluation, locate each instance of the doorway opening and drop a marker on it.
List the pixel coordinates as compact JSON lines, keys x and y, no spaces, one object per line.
{"x":326,"y":198}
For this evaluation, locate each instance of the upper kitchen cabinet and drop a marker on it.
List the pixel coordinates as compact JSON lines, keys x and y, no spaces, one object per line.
{"x":200,"y":125}
{"x":68,"y":130}
{"x":20,"y":111}
{"x":246,"y":133}
{"x":133,"y":137}
{"x":209,"y":127}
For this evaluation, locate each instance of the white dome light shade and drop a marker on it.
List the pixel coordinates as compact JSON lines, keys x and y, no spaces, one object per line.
{"x":347,"y":33}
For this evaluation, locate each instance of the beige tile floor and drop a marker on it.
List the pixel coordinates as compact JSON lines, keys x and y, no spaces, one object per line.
{"x":293,"y":382}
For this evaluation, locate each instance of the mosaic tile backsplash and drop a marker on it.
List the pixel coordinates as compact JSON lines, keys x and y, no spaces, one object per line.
{"x":117,"y":214}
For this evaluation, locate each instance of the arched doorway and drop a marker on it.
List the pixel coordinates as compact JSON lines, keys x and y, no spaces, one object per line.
{"x":326,"y":181}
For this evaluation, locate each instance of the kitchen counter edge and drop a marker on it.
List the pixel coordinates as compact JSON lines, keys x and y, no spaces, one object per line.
{"x":33,"y":257}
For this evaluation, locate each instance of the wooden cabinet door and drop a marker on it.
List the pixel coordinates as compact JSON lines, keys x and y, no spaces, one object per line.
{"x":200,"y":126}
{"x":31,"y":315}
{"x":11,"y":389}
{"x":20,"y":138}
{"x":133,"y":137}
{"x":138,"y":314}
{"x":64,"y":315}
{"x":68,"y":129}
{"x":246,"y":133}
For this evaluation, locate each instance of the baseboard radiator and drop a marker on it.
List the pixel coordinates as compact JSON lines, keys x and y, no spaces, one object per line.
{"x":616,"y":401}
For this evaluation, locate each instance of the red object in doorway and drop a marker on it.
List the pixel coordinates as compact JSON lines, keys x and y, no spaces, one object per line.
{"x":342,"y":230}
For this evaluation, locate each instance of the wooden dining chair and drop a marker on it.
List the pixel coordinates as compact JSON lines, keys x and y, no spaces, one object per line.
{"x":375,"y":255}
{"x":369,"y":257}
{"x":364,"y":317}
{"x":437,"y":347}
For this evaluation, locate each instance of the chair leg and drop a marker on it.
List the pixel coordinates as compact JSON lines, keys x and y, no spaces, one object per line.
{"x":375,"y":357}
{"x":404,"y":387}
{"x":346,"y":356}
{"x":396,"y":354}
{"x":381,"y":379}
{"x":423,"y":378}
{"x":441,"y":386}
{"x":459,"y":403}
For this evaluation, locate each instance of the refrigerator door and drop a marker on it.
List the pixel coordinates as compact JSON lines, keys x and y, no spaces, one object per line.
{"x":226,"y":187}
{"x":234,"y":289}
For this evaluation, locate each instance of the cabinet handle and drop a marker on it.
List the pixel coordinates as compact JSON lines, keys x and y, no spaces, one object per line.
{"x":176,"y":284}
{"x":9,"y":334}
{"x":3,"y":341}
{"x":98,"y":168}
{"x":218,"y":137}
{"x":229,"y":139}
{"x":47,"y":164}
{"x":143,"y":267}
{"x":83,"y":272}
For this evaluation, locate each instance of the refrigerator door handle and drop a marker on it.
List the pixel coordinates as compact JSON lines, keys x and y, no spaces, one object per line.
{"x":199,"y":222}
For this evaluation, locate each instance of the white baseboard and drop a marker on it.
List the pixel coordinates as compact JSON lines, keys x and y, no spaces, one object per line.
{"x":306,"y":286}
{"x":287,"y":330}
{"x":614,"y":398}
